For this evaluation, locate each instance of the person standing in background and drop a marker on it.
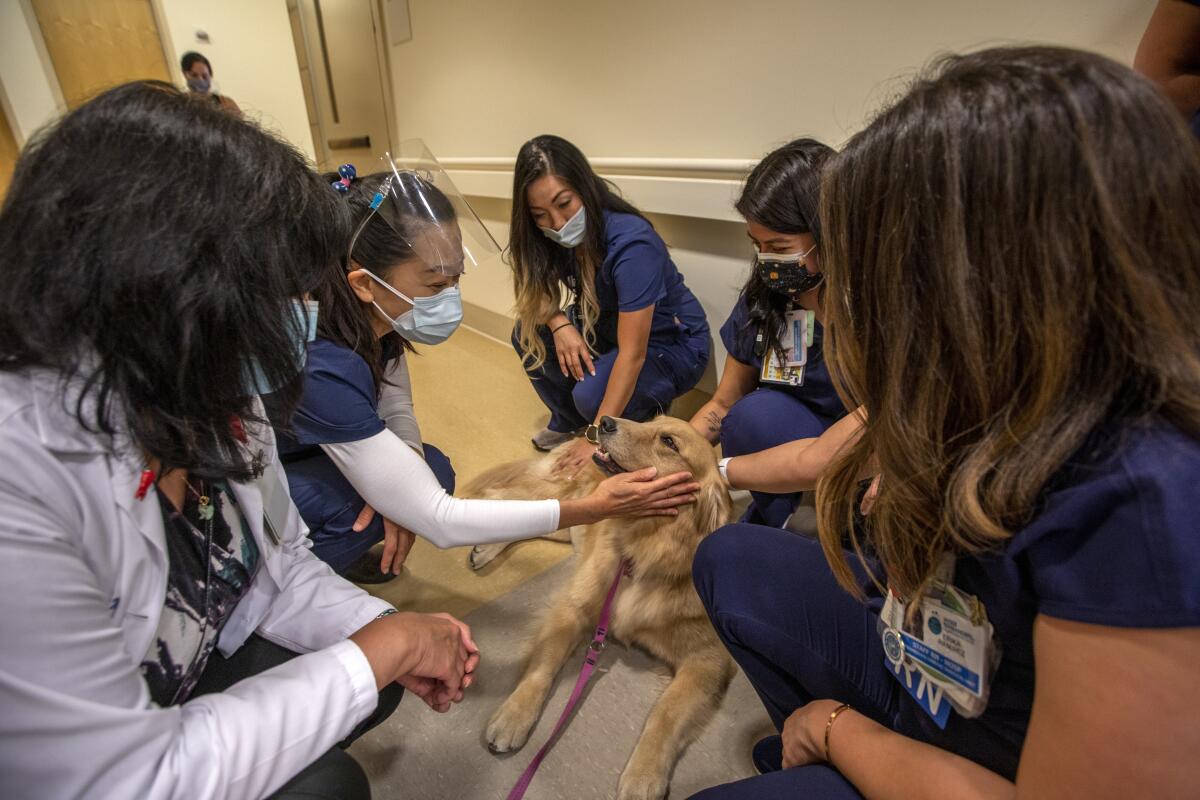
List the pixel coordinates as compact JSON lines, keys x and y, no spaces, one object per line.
{"x":198,"y":72}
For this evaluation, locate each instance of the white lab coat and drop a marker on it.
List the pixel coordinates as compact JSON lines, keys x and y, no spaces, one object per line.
{"x":83,"y":571}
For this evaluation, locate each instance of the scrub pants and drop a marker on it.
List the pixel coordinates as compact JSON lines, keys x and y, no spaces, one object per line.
{"x":670,"y":370}
{"x":765,"y":418}
{"x":799,"y":637}
{"x":334,"y":541}
{"x":333,"y":776}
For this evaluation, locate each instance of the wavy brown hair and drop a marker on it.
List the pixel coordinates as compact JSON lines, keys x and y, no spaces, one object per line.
{"x":1012,"y":258}
{"x":535,"y":259}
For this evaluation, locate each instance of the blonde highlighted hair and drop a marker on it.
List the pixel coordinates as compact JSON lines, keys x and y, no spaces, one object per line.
{"x":1012,"y":261}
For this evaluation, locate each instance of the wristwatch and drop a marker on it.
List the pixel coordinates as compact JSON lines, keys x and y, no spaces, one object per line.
{"x":723,"y":467}
{"x":592,"y":434}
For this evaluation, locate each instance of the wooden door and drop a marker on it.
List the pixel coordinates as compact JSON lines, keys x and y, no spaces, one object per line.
{"x":8,"y":154}
{"x":97,"y":45}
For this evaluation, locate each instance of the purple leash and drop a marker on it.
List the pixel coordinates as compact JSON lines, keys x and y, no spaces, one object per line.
{"x":585,"y":674}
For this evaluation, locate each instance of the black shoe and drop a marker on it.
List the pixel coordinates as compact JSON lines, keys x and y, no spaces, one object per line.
{"x":366,"y":569}
{"x":767,"y":755}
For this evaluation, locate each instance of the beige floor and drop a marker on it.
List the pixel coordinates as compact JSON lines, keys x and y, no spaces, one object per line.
{"x":474,"y":403}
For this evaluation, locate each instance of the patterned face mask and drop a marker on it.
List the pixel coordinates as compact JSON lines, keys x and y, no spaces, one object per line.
{"x":786,"y":274}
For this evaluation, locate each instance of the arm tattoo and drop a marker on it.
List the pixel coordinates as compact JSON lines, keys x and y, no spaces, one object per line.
{"x":714,"y":421}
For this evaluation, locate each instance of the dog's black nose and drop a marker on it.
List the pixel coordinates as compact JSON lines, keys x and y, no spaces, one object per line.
{"x":608,"y":425}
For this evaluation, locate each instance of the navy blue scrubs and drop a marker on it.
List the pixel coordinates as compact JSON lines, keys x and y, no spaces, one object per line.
{"x":774,"y":414}
{"x":637,"y":272}
{"x":1115,"y":541}
{"x":339,"y":405}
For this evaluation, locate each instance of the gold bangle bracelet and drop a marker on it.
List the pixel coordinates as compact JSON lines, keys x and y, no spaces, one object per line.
{"x":829,"y":728}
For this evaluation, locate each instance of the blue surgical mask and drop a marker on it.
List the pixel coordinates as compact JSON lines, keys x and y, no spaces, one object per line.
{"x":305,"y":311}
{"x":431,"y":320}
{"x":201,"y":85}
{"x":571,"y":233}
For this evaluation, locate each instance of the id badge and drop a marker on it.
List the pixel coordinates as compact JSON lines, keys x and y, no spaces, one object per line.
{"x":775,"y":370}
{"x":944,"y":653}
{"x":795,"y":347}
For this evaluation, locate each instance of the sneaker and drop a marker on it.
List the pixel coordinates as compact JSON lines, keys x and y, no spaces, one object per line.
{"x":547,"y":439}
{"x":767,"y":755}
{"x":366,"y":569}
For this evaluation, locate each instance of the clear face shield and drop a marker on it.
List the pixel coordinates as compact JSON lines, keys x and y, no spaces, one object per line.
{"x":426,"y":210}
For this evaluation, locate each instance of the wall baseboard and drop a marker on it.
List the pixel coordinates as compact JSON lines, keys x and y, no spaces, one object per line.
{"x":488,"y":322}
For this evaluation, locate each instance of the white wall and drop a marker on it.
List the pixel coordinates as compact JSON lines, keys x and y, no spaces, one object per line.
{"x":28,"y":88}
{"x":253,"y":58}
{"x":702,"y":79}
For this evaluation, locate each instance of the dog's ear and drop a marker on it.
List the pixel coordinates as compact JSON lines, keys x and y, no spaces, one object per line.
{"x":713,"y":505}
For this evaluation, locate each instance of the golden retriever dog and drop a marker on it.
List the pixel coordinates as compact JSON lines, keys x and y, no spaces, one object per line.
{"x":656,"y":609}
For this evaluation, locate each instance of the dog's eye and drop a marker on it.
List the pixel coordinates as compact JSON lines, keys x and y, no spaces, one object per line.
{"x":669,"y":442}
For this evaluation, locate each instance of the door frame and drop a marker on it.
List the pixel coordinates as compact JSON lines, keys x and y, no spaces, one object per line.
{"x":39,"y":44}
{"x":316,"y":58}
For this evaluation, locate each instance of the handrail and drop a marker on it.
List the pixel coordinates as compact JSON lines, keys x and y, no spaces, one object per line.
{"x":732,"y":166}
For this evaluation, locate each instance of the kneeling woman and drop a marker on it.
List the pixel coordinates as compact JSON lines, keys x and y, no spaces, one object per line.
{"x":354,"y":439}
{"x":630,"y":306}
{"x":775,"y":387}
{"x":1011,"y":300}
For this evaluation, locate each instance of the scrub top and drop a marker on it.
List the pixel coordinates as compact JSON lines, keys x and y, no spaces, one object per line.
{"x":638,"y":272}
{"x":817,"y":392}
{"x":339,"y":405}
{"x":1114,"y":540}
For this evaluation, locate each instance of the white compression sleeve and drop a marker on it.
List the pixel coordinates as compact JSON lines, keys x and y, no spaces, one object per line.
{"x":400,"y":486}
{"x":396,"y":404}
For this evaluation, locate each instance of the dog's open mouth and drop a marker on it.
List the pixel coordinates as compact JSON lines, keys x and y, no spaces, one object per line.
{"x":606,"y":462}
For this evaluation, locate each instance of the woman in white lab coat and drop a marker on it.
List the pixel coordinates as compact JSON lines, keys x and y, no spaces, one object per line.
{"x":151,"y":561}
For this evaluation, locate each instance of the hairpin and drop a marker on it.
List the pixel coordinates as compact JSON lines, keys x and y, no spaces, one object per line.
{"x":348,"y":173}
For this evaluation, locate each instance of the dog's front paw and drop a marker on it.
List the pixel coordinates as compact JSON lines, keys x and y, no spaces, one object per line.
{"x":642,"y":784}
{"x":484,"y":554}
{"x":510,"y":726}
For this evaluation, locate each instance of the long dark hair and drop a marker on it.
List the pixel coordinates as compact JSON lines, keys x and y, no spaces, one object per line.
{"x":378,"y":249}
{"x":150,"y":250}
{"x":1012,"y":261}
{"x":781,"y":194}
{"x":535,"y":259}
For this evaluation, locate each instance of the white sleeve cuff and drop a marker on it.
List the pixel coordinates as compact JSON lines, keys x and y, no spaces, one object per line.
{"x":362,"y":677}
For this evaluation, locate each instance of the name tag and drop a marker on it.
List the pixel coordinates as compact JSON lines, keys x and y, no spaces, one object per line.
{"x":785,"y":364}
{"x":944,"y":652}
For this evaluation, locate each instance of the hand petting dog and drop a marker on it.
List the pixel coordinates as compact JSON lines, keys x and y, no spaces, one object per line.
{"x":574,"y":457}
